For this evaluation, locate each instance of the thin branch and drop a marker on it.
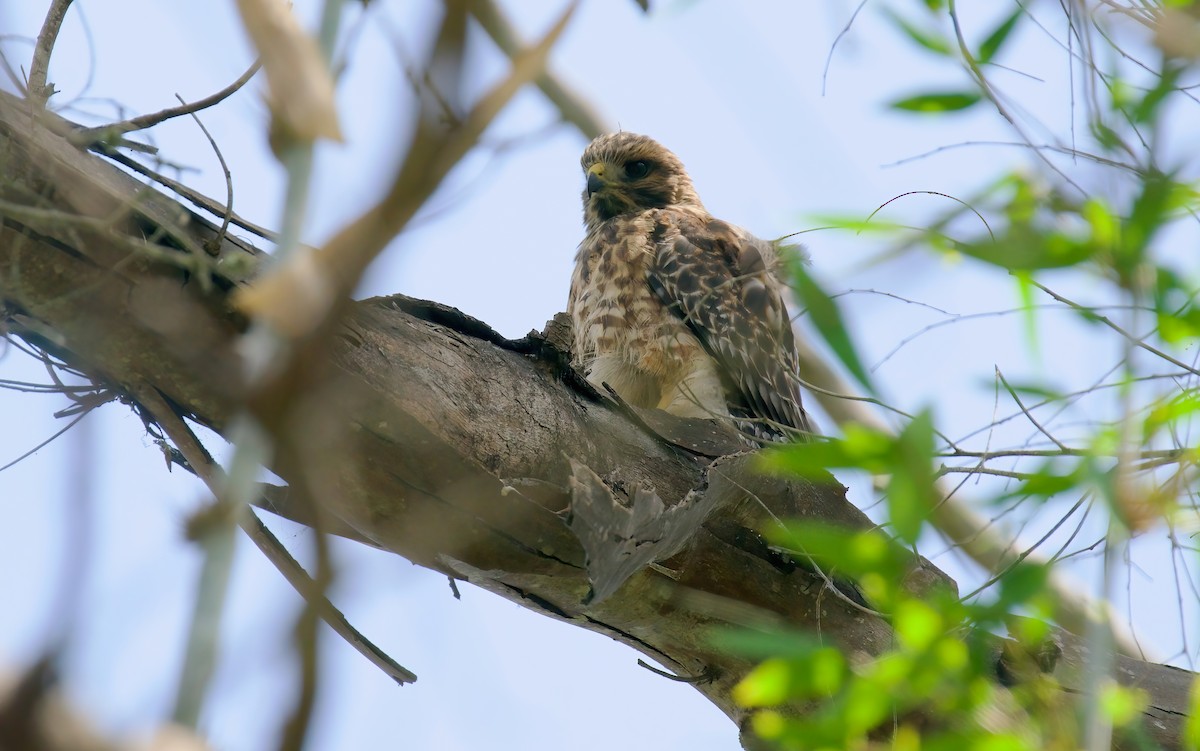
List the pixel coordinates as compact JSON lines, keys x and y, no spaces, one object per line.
{"x":89,"y":137}
{"x":837,"y":40}
{"x":1167,"y":454}
{"x":981,"y":80}
{"x":954,"y":318}
{"x":1028,"y":551}
{"x":1064,"y":150}
{"x":1109,"y":323}
{"x":44,"y":443}
{"x":953,"y":517}
{"x":701,"y":678}
{"x":214,"y":246}
{"x":38,"y":90}
{"x":1024,"y":411}
{"x":191,"y":195}
{"x":191,"y":261}
{"x":981,"y":470}
{"x":202,"y":464}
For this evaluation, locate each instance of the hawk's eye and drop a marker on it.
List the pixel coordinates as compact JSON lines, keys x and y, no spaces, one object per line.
{"x":637,"y":170}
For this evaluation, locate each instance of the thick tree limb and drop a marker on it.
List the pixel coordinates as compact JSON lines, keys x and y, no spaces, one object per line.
{"x":453,"y":447}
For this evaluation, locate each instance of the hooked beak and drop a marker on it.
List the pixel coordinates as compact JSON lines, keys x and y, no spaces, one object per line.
{"x":595,"y":178}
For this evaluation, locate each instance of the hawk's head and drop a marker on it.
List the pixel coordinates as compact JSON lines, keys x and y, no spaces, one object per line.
{"x":628,"y":173}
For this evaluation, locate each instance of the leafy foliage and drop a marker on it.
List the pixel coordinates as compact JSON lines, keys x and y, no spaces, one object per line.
{"x":1042,"y":223}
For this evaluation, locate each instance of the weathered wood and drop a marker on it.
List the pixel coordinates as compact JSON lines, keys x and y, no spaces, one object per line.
{"x":452,"y":446}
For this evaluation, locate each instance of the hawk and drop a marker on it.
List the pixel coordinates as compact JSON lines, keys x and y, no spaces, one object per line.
{"x":672,"y":308}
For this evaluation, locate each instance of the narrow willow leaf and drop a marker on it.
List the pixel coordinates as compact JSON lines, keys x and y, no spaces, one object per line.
{"x":930,"y":40}
{"x":994,"y":41}
{"x":941,"y":101}
{"x":911,"y":490}
{"x":827,"y":319}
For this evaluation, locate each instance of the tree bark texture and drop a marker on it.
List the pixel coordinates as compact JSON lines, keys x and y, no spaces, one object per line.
{"x":483,"y":458}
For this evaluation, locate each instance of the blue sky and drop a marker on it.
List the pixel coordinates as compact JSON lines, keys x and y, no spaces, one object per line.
{"x":737,"y":92}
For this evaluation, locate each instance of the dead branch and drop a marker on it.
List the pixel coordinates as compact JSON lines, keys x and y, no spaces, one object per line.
{"x":39,"y":90}
{"x":90,"y":137}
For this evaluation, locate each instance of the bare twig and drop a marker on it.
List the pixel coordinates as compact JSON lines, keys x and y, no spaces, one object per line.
{"x":214,"y":246}
{"x":191,"y":195}
{"x":1135,"y":341}
{"x":1031,"y":418}
{"x":1164,"y":454}
{"x":952,"y":516}
{"x":144,"y":248}
{"x":89,"y":137}
{"x":295,"y":728}
{"x":1053,"y":148}
{"x":701,"y":678}
{"x":203,"y":640}
{"x":837,"y":40}
{"x":981,"y":470}
{"x":38,"y":90}
{"x":277,"y":554}
{"x":988,"y":91}
{"x":44,"y":443}
{"x":207,"y":470}
{"x":1028,"y":551}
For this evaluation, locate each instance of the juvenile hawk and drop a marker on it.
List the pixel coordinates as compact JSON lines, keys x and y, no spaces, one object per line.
{"x":675,"y":309}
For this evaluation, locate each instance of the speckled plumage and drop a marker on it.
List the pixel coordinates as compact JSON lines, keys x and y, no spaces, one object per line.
{"x":672,"y":308}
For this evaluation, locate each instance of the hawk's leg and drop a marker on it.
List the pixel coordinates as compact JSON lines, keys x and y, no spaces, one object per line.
{"x":632,"y":385}
{"x":698,"y":393}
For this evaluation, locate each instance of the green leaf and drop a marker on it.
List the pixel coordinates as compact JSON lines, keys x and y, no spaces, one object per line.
{"x":932,"y":41}
{"x":1175,"y":306}
{"x":942,"y":101}
{"x":999,"y":742}
{"x":1028,"y":310}
{"x":994,"y":41}
{"x":1178,"y":327}
{"x":855,"y":554}
{"x":911,"y":489}
{"x":1146,"y":218}
{"x":1147,"y":108}
{"x":1105,"y":136}
{"x":760,"y":645}
{"x":1026,"y":247}
{"x":1191,"y":726}
{"x":860,"y":448}
{"x":776,"y":680}
{"x":1022,"y":583}
{"x":827,"y":319}
{"x":1038,"y":390}
{"x":857,"y":224}
{"x":1123,"y":704}
{"x":1169,"y":412}
{"x":1104,"y":225}
{"x":767,"y":685}
{"x":917,"y":625}
{"x":1047,"y":481}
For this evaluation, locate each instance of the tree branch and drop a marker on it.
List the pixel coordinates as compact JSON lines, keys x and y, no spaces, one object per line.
{"x":39,"y":90}
{"x":455,"y":447}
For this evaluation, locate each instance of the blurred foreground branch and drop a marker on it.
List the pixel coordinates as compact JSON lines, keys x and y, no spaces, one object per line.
{"x":35,"y":716}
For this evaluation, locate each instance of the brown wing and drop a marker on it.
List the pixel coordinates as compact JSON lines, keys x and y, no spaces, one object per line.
{"x":713,"y":276}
